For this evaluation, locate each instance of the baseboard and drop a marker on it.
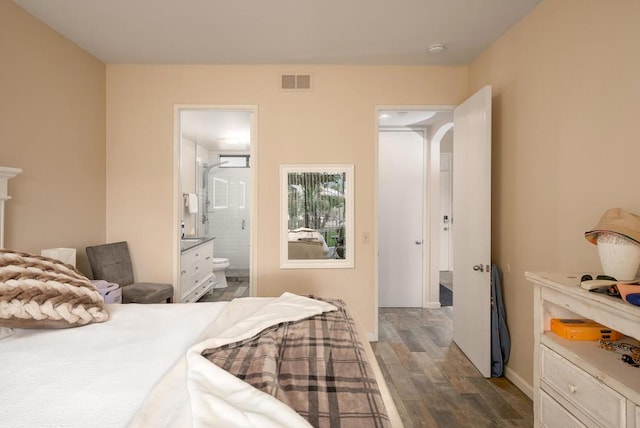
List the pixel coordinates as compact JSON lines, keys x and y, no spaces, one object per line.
{"x":372,"y":337}
{"x":519,"y":382}
{"x":432,"y":305}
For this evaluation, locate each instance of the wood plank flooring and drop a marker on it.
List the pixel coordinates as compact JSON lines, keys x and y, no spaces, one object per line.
{"x":432,"y":382}
{"x":236,"y":287}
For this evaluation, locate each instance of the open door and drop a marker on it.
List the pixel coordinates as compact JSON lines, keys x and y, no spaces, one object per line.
{"x":472,"y":231}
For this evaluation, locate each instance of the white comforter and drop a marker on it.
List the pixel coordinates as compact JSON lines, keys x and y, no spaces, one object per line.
{"x":203,"y":395}
{"x":97,"y":375}
{"x":143,"y":368}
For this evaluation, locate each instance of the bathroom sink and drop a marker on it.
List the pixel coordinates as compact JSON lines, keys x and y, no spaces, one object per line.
{"x":186,"y":243}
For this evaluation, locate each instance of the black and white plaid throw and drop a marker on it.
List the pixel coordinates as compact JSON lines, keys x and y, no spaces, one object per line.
{"x":317,"y":366}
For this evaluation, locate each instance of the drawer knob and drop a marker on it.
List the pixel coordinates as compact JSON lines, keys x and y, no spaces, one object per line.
{"x":572,"y":389}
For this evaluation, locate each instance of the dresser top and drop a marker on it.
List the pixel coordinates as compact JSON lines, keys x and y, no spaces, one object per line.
{"x":569,"y":283}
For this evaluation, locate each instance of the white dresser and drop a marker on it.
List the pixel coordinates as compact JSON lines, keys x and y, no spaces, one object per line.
{"x":576,"y":383}
{"x":196,"y":271}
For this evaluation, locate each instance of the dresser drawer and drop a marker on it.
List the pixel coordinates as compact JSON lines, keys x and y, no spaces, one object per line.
{"x":553,"y":415}
{"x":601,"y":403}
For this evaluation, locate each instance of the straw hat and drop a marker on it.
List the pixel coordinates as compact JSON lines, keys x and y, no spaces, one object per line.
{"x":618,"y":221}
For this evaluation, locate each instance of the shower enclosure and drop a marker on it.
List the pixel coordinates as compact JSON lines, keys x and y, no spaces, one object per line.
{"x":206,"y":200}
{"x":225,"y":208}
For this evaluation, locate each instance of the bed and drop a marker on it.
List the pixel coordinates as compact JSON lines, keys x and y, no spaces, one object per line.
{"x":162,"y":365}
{"x":305,"y":243}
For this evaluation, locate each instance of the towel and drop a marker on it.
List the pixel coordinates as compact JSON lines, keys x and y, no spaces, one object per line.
{"x":192,"y":203}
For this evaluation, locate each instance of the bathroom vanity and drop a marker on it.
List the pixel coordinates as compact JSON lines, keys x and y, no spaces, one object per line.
{"x":196,"y":268}
{"x":576,"y":383}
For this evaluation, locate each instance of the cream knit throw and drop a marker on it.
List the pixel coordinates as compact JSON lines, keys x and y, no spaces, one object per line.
{"x":40,"y":292}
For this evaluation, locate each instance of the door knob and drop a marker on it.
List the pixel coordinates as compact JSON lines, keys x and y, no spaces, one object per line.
{"x":446,"y":228}
{"x":478,"y":268}
{"x":418,"y":242}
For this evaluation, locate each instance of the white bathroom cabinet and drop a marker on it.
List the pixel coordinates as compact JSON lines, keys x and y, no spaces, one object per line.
{"x":196,"y":272}
{"x":576,"y":383}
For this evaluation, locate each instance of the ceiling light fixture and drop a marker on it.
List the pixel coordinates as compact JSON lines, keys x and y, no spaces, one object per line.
{"x":436,"y":49}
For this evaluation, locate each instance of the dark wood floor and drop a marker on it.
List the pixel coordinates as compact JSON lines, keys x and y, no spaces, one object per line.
{"x":432,"y":382}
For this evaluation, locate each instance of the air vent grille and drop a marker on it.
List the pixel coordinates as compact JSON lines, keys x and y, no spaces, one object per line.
{"x":295,"y":82}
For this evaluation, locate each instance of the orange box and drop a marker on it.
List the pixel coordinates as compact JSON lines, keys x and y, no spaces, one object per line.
{"x":582,"y":329}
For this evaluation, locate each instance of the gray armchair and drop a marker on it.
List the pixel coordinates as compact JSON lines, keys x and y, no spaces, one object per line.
{"x":112,"y":262}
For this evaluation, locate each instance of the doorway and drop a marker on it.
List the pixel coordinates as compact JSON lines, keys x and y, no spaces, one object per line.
{"x":446,"y":259}
{"x":217,"y":194}
{"x":407,"y":199}
{"x":400,"y":217}
{"x":471,"y":182}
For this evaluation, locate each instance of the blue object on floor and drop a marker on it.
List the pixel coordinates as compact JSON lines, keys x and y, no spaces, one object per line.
{"x":446,"y":296}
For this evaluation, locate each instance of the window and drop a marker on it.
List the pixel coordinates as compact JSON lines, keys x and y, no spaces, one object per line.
{"x":234,"y":161}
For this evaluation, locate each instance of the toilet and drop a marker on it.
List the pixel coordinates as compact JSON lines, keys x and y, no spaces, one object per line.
{"x":219,"y":265}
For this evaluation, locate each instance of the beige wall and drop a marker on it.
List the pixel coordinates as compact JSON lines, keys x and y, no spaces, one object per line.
{"x":52,"y":106}
{"x":566,"y":88}
{"x":334,"y":123}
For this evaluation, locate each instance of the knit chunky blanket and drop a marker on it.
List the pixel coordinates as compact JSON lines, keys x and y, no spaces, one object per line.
{"x":40,"y":292}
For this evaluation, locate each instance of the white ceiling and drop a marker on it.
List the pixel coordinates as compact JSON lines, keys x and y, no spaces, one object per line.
{"x":280,"y":31}
{"x":217,"y":130}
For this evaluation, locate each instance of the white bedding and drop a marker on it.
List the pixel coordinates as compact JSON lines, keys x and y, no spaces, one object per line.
{"x":143,"y":368}
{"x":303,"y":233}
{"x":97,"y":375}
{"x":202,"y":394}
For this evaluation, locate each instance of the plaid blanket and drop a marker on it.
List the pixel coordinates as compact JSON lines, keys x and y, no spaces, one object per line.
{"x":317,"y":366}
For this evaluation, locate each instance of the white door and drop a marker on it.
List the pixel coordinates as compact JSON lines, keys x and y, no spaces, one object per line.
{"x":400,"y":189}
{"x":445,"y":212}
{"x":472,"y":233}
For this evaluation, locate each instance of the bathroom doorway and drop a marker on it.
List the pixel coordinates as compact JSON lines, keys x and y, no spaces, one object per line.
{"x":218,"y":195}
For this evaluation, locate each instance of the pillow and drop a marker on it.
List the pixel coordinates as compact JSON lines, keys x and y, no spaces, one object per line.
{"x":40,"y":292}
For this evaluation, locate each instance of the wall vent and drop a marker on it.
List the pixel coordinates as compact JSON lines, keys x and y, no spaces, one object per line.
{"x":300,"y":82}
